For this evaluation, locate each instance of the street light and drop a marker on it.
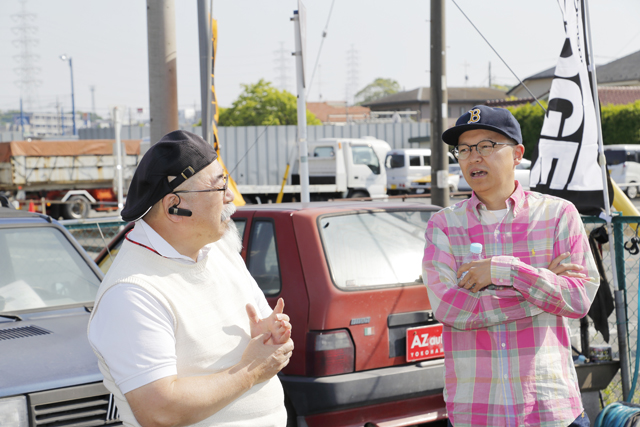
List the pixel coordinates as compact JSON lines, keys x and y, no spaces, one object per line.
{"x":64,"y":57}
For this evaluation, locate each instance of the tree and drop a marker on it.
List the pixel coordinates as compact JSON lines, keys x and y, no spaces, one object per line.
{"x":377,"y":89}
{"x":261,"y":104}
{"x":620,"y":124}
{"x":530,"y":117}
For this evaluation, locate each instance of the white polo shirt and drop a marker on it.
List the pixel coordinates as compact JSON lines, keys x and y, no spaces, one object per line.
{"x":138,"y":321}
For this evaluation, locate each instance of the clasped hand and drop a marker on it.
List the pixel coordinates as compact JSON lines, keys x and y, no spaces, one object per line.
{"x":478,"y":272}
{"x":277,"y":324}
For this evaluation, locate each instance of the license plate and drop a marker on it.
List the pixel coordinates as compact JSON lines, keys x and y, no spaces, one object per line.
{"x":393,"y":186}
{"x":424,"y":343}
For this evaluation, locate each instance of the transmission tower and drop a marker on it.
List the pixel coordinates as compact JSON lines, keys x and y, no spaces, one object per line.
{"x":353,"y":63}
{"x":319,"y":82}
{"x":94,"y":117}
{"x":283,"y":59}
{"x":25,"y":41}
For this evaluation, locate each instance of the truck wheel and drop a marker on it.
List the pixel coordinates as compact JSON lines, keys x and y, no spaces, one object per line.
{"x":356,"y":194}
{"x":77,"y":207}
{"x":632,"y":191}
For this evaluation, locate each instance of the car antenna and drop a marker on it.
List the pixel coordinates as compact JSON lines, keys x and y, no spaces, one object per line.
{"x":105,"y":242}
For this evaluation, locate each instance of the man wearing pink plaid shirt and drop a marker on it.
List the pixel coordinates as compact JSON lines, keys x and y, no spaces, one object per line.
{"x":508,"y":359}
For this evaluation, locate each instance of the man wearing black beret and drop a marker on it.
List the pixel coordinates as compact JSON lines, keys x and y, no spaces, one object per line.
{"x":174,"y":327}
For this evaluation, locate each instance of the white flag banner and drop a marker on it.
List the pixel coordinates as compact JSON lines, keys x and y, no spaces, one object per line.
{"x":566,"y":165}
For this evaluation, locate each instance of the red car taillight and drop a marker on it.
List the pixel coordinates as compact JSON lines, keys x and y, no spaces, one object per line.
{"x":330,"y":353}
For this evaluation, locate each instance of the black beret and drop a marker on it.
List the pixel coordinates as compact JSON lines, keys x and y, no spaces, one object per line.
{"x":482,"y":117}
{"x":181,"y":154}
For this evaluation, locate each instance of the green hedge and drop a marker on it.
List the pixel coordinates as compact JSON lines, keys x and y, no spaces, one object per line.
{"x":620,"y":124}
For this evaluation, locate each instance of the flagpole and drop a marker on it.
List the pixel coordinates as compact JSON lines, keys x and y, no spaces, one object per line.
{"x":619,"y":295}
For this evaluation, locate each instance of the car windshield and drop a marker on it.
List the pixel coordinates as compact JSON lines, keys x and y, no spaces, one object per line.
{"x":394,"y":161}
{"x":374,"y":249}
{"x":615,"y":157}
{"x":40,"y":268}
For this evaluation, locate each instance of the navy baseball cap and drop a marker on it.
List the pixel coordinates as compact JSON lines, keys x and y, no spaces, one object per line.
{"x":482,"y":117}
{"x":180,"y":154}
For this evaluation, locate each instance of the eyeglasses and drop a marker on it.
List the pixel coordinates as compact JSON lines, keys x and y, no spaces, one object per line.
{"x":223,"y":189}
{"x":484,"y":148}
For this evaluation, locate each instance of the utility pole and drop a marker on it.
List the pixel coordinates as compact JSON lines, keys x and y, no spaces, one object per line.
{"x":300,"y":34}
{"x":163,"y":71}
{"x":489,"y":73}
{"x":206,"y":70}
{"x":119,"y":163}
{"x":439,"y":107}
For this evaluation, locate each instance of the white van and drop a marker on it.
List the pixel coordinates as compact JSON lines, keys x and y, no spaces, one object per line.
{"x":623,"y":162}
{"x":409,"y":171}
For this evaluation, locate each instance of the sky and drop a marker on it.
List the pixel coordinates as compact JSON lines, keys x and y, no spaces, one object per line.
{"x":107,"y":41}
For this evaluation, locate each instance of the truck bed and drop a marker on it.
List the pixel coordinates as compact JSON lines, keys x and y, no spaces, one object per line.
{"x":47,"y":165}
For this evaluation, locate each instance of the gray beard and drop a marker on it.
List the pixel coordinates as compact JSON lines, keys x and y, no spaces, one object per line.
{"x":231,"y":237}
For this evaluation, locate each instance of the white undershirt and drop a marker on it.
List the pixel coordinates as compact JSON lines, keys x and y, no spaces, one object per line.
{"x":129,"y":316}
{"x":492,"y":217}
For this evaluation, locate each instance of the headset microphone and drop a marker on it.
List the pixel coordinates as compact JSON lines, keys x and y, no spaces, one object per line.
{"x":174,"y":210}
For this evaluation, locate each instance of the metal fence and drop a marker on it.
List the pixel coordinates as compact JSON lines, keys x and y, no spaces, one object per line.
{"x":627,"y":260}
{"x":94,"y":234}
{"x":258,"y":155}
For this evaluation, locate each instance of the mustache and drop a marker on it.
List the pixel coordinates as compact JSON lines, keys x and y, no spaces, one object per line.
{"x":228,"y":210}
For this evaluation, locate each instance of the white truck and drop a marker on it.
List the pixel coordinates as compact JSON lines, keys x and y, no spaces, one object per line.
{"x":71,"y":176}
{"x":338,"y":168}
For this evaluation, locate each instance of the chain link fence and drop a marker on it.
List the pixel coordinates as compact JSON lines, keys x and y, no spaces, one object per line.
{"x":94,"y":234}
{"x":626,"y":253}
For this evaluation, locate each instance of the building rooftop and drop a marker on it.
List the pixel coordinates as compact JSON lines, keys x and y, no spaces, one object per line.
{"x":423,"y":95}
{"x":331,"y":112}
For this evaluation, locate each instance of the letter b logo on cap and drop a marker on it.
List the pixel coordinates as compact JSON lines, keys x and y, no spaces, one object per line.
{"x":475,"y":115}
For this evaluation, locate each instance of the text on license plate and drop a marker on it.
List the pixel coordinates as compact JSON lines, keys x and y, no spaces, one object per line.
{"x":424,"y":343}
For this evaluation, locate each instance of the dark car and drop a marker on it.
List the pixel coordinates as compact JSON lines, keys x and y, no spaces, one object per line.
{"x":49,"y":375}
{"x":368,"y":348}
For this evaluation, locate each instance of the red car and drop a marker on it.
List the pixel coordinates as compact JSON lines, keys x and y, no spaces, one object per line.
{"x":368,"y":349}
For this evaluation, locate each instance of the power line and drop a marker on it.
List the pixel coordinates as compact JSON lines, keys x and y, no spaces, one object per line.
{"x":324,"y":35}
{"x":496,"y":52}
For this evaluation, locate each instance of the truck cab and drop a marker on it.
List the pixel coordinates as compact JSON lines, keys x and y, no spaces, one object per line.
{"x":354,"y":166}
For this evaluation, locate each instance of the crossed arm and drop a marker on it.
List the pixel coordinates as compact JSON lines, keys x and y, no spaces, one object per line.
{"x":173,"y":401}
{"x":563,"y":289}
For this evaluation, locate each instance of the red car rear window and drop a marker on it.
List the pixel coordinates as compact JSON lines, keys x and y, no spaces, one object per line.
{"x":374,"y":249}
